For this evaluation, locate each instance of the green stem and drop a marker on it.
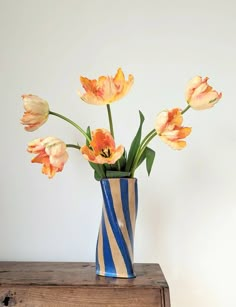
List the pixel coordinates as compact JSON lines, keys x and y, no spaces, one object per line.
{"x":110,"y":120}
{"x":73,"y":146}
{"x":141,"y":149}
{"x":72,"y":123}
{"x":147,"y":137}
{"x":186,"y":109}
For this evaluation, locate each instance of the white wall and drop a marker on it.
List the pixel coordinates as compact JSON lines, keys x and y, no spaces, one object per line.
{"x":187,"y":208}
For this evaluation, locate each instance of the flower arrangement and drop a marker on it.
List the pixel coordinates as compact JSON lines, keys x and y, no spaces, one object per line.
{"x":106,"y":158}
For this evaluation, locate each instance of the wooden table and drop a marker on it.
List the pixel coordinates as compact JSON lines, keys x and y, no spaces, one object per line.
{"x":75,"y":284}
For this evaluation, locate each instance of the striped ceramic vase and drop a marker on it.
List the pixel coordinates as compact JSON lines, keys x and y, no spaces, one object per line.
{"x":114,"y":252}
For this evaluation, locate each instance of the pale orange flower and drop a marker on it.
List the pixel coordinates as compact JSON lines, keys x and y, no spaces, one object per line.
{"x":51,"y":152}
{"x":105,"y":90}
{"x":36,"y":112}
{"x":200,"y":95}
{"x":102,"y":148}
{"x":168,"y":127}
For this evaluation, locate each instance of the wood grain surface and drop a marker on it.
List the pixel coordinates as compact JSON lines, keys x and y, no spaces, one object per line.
{"x":76,"y":284}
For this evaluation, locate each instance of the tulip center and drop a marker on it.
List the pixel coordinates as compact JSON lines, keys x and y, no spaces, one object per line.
{"x":106,"y":152}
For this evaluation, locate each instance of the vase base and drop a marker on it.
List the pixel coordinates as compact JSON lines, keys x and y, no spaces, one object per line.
{"x":115,"y":275}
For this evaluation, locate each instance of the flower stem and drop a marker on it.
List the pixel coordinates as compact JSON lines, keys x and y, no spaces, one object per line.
{"x":73,"y":146}
{"x":147,"y":136}
{"x":141,"y":149}
{"x":110,"y":120}
{"x":186,"y":109}
{"x":72,"y":123}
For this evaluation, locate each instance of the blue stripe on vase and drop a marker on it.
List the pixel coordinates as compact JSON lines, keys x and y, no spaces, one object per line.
{"x":108,"y":259}
{"x":109,"y":207}
{"x":97,"y":260}
{"x":124,"y":187}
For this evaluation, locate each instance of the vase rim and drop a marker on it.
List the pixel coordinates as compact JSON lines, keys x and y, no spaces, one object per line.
{"x":121,"y":178}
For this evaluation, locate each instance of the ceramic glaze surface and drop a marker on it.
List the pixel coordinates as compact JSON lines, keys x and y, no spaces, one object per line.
{"x":114,"y":252}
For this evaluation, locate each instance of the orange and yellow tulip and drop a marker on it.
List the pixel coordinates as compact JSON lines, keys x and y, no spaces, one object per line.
{"x":168,"y":127}
{"x":51,"y":152}
{"x":105,"y":90}
{"x":199,"y":95}
{"x":36,"y":112}
{"x":102,"y":148}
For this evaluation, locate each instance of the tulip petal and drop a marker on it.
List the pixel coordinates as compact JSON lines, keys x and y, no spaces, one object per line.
{"x":101,"y":149}
{"x":101,"y":138}
{"x":199,"y":95}
{"x":51,"y":153}
{"x":36,"y":112}
{"x":168,"y":127}
{"x":105,"y":90}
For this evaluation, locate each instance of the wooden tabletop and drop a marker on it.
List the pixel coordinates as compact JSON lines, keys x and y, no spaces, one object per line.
{"x":75,"y":273}
{"x":27,"y":281}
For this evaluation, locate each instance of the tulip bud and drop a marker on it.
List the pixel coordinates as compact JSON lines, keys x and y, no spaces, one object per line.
{"x":199,"y":95}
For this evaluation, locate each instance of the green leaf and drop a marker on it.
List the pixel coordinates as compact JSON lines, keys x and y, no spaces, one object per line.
{"x":117,"y":174}
{"x":150,"y":156}
{"x":142,"y":158}
{"x":120,"y":164}
{"x":99,"y":170}
{"x":88,"y":131}
{"x":97,"y":176}
{"x":135,"y":144}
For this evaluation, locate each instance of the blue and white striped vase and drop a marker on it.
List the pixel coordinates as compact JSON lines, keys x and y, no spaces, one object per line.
{"x":114,"y":252}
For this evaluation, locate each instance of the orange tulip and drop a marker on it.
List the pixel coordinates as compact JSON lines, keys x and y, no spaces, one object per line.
{"x":105,"y":90}
{"x":102,"y":148}
{"x":36,"y":112}
{"x":51,"y":152}
{"x":200,"y":95}
{"x":168,"y":127}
